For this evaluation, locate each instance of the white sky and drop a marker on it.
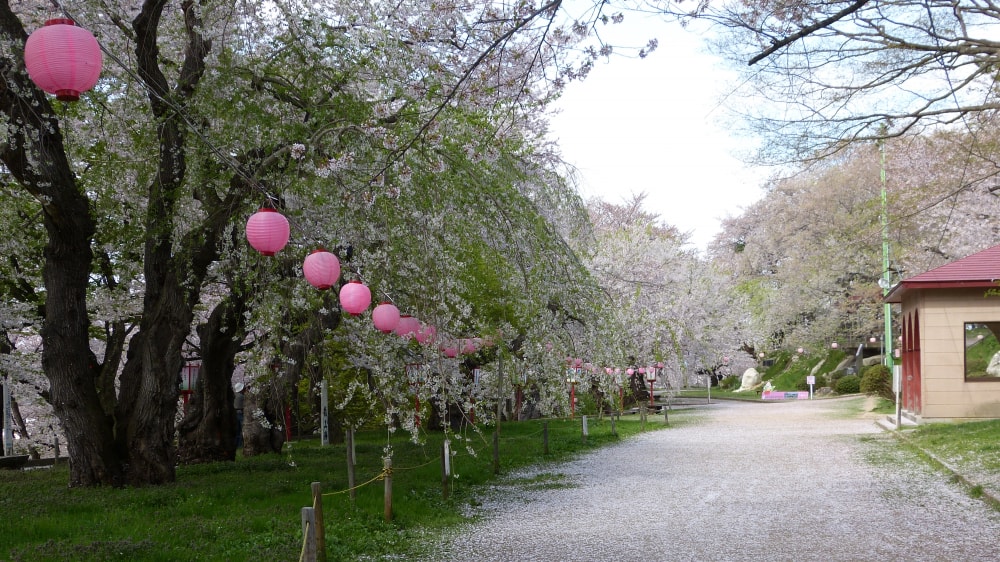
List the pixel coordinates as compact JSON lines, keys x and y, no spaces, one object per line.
{"x":652,"y":125}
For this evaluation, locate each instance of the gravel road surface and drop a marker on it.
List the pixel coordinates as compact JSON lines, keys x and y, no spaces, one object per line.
{"x":795,"y":481}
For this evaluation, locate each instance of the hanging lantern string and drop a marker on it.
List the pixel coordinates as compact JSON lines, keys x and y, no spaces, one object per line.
{"x":227,"y":160}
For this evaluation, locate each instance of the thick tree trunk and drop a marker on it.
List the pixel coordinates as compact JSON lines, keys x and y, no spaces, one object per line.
{"x":149,"y":381}
{"x":263,"y":425}
{"x":147,"y":401}
{"x":266,"y":404}
{"x":34,"y":154}
{"x":208,"y":431}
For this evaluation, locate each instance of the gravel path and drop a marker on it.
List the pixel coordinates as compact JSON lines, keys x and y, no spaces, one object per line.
{"x":789,"y":481}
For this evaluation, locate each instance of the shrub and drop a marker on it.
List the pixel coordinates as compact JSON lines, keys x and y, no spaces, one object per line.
{"x":877,"y":380}
{"x":849,"y":384}
{"x":732,"y":382}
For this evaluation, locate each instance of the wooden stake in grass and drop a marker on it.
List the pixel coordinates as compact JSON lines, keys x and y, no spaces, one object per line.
{"x":317,"y":493}
{"x":350,"y":462}
{"x":308,"y":535}
{"x":445,"y":466}
{"x":387,"y":474}
{"x":584,"y":428}
{"x":545,"y":437}
{"x":496,"y":449}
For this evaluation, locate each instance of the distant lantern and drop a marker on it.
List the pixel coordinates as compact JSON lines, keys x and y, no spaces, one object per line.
{"x":468,"y":346}
{"x":63,"y":59}
{"x":425,"y":333}
{"x":355,"y":297}
{"x":267,"y":231}
{"x":450,"y":350}
{"x":322,"y":269}
{"x":385,"y":317}
{"x":834,"y":345}
{"x":407,"y":326}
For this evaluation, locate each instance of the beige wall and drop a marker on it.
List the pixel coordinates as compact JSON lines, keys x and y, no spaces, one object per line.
{"x":943,"y":314}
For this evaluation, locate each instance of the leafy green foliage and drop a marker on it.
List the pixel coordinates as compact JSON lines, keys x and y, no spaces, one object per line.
{"x":876,"y":380}
{"x":790,"y":370}
{"x":849,"y":384}
{"x":732,"y":382}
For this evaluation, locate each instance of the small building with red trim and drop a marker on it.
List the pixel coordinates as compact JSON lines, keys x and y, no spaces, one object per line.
{"x":950,"y":328}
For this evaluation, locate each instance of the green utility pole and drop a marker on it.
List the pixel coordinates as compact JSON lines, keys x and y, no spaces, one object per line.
{"x":886,"y":283}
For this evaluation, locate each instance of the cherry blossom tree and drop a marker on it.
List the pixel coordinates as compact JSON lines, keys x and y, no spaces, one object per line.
{"x":205,"y":111}
{"x":665,"y":303}
{"x":809,"y":254}
{"x":820,"y":75}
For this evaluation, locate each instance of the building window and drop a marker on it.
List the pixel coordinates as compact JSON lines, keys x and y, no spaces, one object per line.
{"x":982,"y":351}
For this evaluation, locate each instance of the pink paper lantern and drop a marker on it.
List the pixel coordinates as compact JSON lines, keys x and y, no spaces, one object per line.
{"x":355,"y":297}
{"x":63,"y":59}
{"x":322,"y":269}
{"x":385,"y":317}
{"x":267,"y":231}
{"x":425,"y":333}
{"x":468,"y":346}
{"x":407,"y":326}
{"x":450,"y":351}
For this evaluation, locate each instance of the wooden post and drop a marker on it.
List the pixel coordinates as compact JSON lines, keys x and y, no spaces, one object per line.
{"x":308,"y":535}
{"x":317,"y":493}
{"x":614,"y":430}
{"x":324,"y":414}
{"x":8,"y":421}
{"x":545,"y":437}
{"x":445,"y":466}
{"x":642,"y":415}
{"x":584,"y":428}
{"x":499,"y":413}
{"x":387,"y":466}
{"x":496,"y":449}
{"x":350,"y":462}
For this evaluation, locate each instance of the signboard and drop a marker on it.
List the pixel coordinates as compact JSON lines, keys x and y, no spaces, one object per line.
{"x":811,"y":379}
{"x":782,"y":395}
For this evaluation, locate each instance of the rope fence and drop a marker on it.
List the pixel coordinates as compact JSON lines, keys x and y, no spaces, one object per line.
{"x":313,"y":539}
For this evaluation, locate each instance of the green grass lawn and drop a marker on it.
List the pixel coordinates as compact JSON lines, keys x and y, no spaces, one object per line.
{"x":250,"y":509}
{"x":970,"y":446}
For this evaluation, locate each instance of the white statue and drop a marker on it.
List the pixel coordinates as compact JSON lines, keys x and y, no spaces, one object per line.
{"x":751,"y":378}
{"x":993,"y":370}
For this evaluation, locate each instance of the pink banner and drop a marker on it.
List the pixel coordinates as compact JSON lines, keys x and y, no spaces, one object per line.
{"x":781,"y":395}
